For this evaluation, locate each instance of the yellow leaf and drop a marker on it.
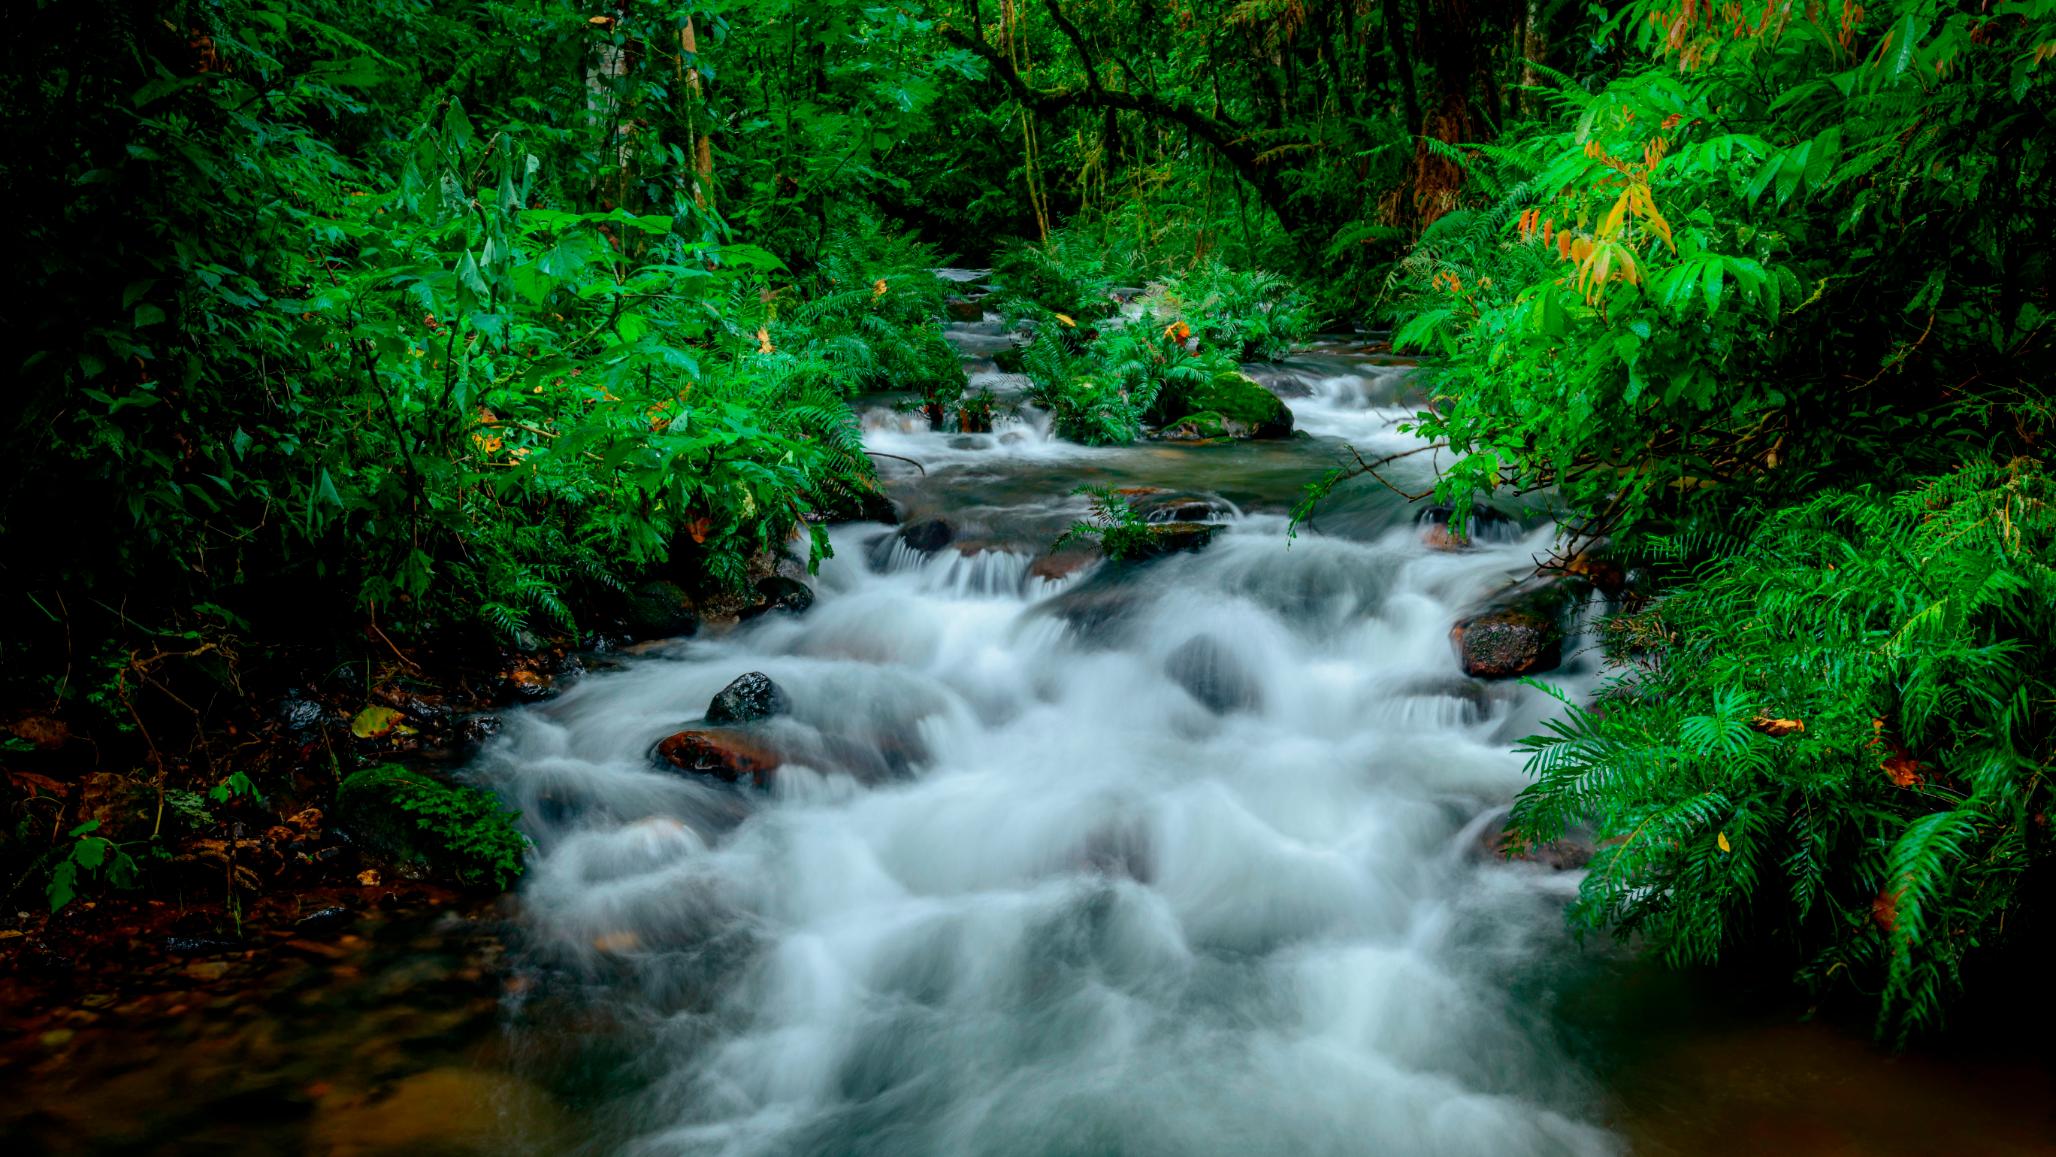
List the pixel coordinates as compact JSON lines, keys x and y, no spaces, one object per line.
{"x":763,"y":339}
{"x":1722,"y":839}
{"x":1067,"y":321}
{"x":373,"y":722}
{"x":1614,"y":216}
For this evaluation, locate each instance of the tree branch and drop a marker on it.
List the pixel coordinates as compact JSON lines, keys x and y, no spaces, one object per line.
{"x":1222,"y":134}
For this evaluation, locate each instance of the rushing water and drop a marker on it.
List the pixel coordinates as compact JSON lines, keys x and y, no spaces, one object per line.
{"x":1171,"y":859}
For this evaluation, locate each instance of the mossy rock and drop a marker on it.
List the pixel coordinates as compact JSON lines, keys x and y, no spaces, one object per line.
{"x":1235,"y":404}
{"x":1205,"y":426}
{"x":1008,"y":360}
{"x":412,"y":817}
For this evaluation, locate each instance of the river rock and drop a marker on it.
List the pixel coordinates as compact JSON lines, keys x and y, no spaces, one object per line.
{"x":1571,"y":852}
{"x":1063,"y":563}
{"x":964,"y":309}
{"x":1520,"y":633}
{"x":751,"y":697}
{"x":783,"y":593}
{"x":729,"y":756}
{"x":1229,"y":405}
{"x":1212,"y":674}
{"x":928,"y":536}
{"x":1484,"y":522}
{"x":1172,"y":537}
{"x":852,"y":504}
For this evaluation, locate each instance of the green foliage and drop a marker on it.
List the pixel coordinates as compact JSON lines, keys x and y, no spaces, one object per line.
{"x":454,"y":828}
{"x":1249,"y":315}
{"x":89,"y":854}
{"x":1171,"y":353}
{"x":1122,"y":534}
{"x":1765,"y":257}
{"x":1834,"y":743}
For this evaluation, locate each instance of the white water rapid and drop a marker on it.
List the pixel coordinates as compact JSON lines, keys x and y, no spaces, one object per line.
{"x":1175,"y":859}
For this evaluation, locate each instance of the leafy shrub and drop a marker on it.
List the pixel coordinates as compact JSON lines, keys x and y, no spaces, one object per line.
{"x":1767,"y":256}
{"x":413,"y":817}
{"x":1833,"y":743}
{"x":1249,"y":315}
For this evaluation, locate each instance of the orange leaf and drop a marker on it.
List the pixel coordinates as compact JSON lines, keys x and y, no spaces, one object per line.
{"x":1776,"y":728}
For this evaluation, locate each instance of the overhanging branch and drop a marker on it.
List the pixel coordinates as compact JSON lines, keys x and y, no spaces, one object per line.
{"x":1220,"y":133}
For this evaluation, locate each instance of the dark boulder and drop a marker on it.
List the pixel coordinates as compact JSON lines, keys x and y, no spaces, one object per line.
{"x":751,"y":697}
{"x":728,"y":756}
{"x":1172,"y":537}
{"x":1520,"y":633}
{"x":660,"y":610}
{"x":929,"y":536}
{"x":1212,"y":674}
{"x":782,"y":593}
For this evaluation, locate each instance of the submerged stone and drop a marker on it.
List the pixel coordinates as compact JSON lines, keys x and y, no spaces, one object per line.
{"x":1212,"y":674}
{"x":729,"y":756}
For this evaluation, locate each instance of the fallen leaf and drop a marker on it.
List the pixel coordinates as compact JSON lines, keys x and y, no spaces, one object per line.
{"x":368,"y":877}
{"x":1721,"y":838}
{"x":1067,"y":321}
{"x":373,"y":722}
{"x":623,"y":941}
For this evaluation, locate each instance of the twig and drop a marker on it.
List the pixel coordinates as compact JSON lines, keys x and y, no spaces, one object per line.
{"x":897,"y":458}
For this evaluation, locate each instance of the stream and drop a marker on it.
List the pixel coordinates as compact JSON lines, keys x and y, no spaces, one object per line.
{"x":1064,"y":859}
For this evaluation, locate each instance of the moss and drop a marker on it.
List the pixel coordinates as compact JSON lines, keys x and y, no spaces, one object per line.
{"x":413,"y":817}
{"x":1236,"y":397}
{"x":1235,"y":405}
{"x":1199,"y":427}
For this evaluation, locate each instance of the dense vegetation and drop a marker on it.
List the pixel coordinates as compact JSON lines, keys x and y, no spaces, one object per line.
{"x":364,"y":333}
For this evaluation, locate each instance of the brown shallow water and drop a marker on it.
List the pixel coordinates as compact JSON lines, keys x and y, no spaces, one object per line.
{"x":413,"y":1034}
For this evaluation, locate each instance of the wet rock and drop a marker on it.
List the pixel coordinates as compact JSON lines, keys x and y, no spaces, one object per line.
{"x":660,"y":610}
{"x":1229,"y":405}
{"x":781,"y":594}
{"x":1520,"y":633}
{"x":928,"y":536}
{"x":1179,"y":508}
{"x":1571,"y":852}
{"x":478,"y":728}
{"x":528,"y":686}
{"x":964,"y":309}
{"x":325,"y":920}
{"x":1172,"y":537}
{"x":200,"y":946}
{"x":1484,"y":523}
{"x":729,"y":756}
{"x":1062,"y":564}
{"x":751,"y":697}
{"x":853,"y":504}
{"x":1202,"y":427}
{"x":1212,"y":674}
{"x":302,"y":717}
